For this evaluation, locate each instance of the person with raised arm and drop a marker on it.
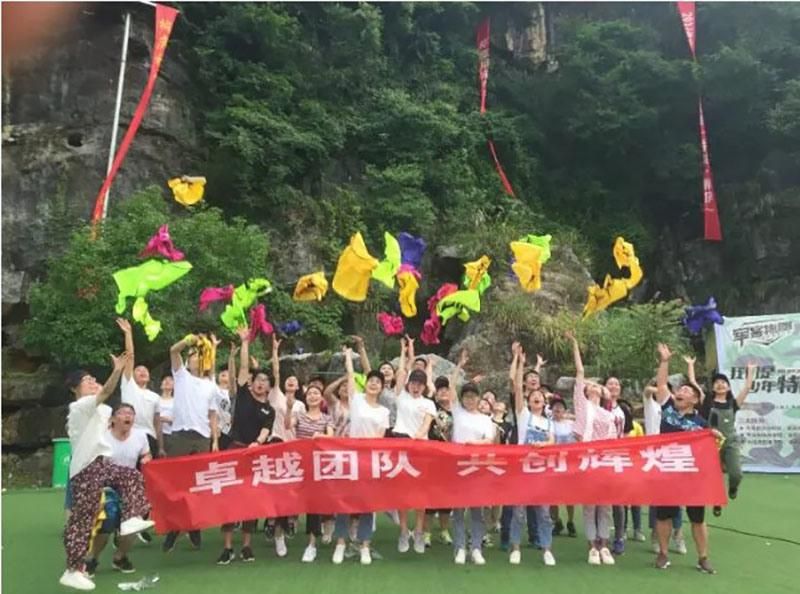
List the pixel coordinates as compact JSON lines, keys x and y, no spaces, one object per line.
{"x":679,"y":413}
{"x":415,"y":414}
{"x":533,"y":429}
{"x":368,"y":419}
{"x":134,"y":390}
{"x":91,"y":470}
{"x":593,"y":422}
{"x":251,"y":426}
{"x":194,"y":414}
{"x":720,"y":411}
{"x":312,"y":424}
{"x":473,"y":428}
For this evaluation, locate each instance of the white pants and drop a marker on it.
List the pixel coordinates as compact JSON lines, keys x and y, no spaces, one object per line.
{"x":597,"y":522}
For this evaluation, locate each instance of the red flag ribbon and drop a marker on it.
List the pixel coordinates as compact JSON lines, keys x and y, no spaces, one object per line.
{"x":712,"y":230}
{"x":500,"y":171}
{"x":711,"y":227}
{"x":165,"y":18}
{"x":326,"y":476}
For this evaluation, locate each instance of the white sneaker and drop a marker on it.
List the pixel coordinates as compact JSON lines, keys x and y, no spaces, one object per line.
{"x":678,"y":544}
{"x":338,"y":554}
{"x":77,"y":580}
{"x":477,"y":557}
{"x":419,"y":543}
{"x":280,"y":546}
{"x":310,"y":554}
{"x":445,"y":537}
{"x":594,"y":556}
{"x":549,"y":560}
{"x":515,"y":558}
{"x":134,"y":525}
{"x":402,"y":542}
{"x":606,"y":557}
{"x":461,"y":557}
{"x":366,"y":558}
{"x":639,"y":536}
{"x":327,"y":539}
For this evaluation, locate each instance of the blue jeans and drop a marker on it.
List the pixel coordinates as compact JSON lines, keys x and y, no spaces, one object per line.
{"x":459,"y":530}
{"x":533,"y":526}
{"x":341,"y":528}
{"x":677,"y":521}
{"x":544,"y":525}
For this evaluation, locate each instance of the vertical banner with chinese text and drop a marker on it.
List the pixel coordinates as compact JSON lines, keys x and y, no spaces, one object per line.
{"x":768,"y":425}
{"x":165,"y":18}
{"x":363,"y":475}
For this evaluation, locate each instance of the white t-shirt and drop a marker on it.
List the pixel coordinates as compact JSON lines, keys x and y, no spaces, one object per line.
{"x":165,"y":410}
{"x":411,"y":413}
{"x":471,"y":427}
{"x":128,"y":451}
{"x":619,"y":419}
{"x":145,"y":402}
{"x":367,"y":420}
{"x":652,"y":416}
{"x":278,"y":401}
{"x":223,"y":403}
{"x":194,"y":398}
{"x":564,"y":431}
{"x":87,"y":427}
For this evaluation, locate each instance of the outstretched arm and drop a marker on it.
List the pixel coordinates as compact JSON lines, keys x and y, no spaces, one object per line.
{"x":512,"y":370}
{"x":127,"y":332}
{"x":112,"y":381}
{"x":351,"y":374}
{"x":662,"y":376}
{"x":690,"y":361}
{"x":540,"y":362}
{"x":576,"y":354}
{"x":429,"y":373}
{"x":410,"y":354}
{"x":362,"y":354}
{"x":463,"y":359}
{"x":330,"y":391}
{"x":276,"y":362}
{"x":748,"y":384}
{"x":176,"y":349}
{"x":402,"y":369}
{"x":244,"y":356}
{"x":519,"y":400}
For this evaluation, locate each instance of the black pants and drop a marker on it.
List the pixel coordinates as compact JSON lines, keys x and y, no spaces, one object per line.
{"x":314,"y":524}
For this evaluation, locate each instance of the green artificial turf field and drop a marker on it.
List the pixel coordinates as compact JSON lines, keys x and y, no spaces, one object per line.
{"x":33,"y":558}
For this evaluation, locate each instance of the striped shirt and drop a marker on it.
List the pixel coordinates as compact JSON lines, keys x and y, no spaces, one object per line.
{"x":306,"y":426}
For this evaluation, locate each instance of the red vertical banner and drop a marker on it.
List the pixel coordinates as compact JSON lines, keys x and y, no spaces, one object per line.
{"x":687,"y":12}
{"x":483,"y":60}
{"x":712,"y":230}
{"x":482,"y":40}
{"x":165,"y":19}
{"x":711,"y":227}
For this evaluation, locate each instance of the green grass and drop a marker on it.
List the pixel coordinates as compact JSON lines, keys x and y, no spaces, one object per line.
{"x":33,"y":558}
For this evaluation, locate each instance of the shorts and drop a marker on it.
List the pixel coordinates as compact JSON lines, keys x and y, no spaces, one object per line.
{"x":697,"y":515}
{"x":443,"y":510}
{"x":391,"y":433}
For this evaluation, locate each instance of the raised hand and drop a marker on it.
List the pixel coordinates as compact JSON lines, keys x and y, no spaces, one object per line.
{"x":663,"y":352}
{"x":463,"y":358}
{"x":120,"y":360}
{"x":124,"y":325}
{"x":540,"y":361}
{"x":276,"y":342}
{"x":515,"y":347}
{"x":243,"y":332}
{"x":569,"y":335}
{"x":215,"y":341}
{"x":689,"y":360}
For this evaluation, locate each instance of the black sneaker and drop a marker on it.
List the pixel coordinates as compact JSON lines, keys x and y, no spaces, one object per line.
{"x":246,"y":555}
{"x":169,"y":542}
{"x":144,"y":537}
{"x":91,"y":567}
{"x":717,"y":511}
{"x":269,"y":532}
{"x":558,"y":527}
{"x":732,"y":493}
{"x":226,"y":557}
{"x":571,"y":530}
{"x":194,"y":538}
{"x":292,"y":529}
{"x":124,"y":565}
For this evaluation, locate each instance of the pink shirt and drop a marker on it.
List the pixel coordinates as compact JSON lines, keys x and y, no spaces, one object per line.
{"x":592,"y":422}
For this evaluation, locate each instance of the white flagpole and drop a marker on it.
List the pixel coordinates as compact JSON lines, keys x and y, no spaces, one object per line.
{"x":120,"y":84}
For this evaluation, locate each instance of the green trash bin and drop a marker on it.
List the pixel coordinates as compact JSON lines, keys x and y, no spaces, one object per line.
{"x":62,"y":454}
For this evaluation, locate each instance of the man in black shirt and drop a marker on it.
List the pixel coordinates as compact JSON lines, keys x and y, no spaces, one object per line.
{"x":253,"y":418}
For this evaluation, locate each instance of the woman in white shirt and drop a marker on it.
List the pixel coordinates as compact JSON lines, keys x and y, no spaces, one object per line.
{"x":469,"y":427}
{"x":368,"y":419}
{"x":91,"y":471}
{"x":165,"y":404}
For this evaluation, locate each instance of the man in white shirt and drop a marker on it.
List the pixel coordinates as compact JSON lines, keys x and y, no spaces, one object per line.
{"x":91,"y":470}
{"x":194,"y":414}
{"x":129,"y":448}
{"x":133,"y":387}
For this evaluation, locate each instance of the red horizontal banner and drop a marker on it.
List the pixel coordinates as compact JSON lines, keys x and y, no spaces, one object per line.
{"x":328,"y":476}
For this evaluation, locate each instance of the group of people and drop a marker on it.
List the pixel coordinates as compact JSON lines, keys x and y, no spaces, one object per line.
{"x":201,"y":409}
